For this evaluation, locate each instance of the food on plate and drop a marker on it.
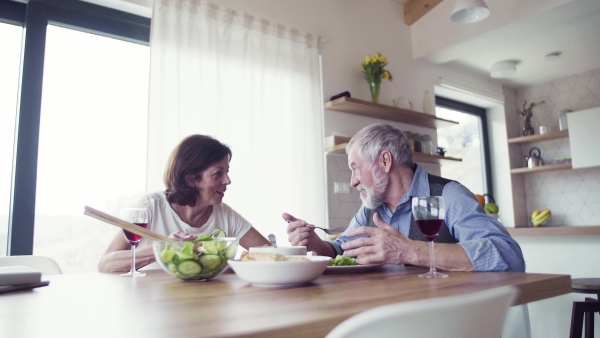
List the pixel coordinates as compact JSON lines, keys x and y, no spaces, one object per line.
{"x":269,"y":257}
{"x":539,"y":217}
{"x":341,"y":260}
{"x":203,"y":258}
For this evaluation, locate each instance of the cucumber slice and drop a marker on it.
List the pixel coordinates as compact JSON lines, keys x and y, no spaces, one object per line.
{"x":213,"y":248}
{"x":210,"y":262}
{"x":231,"y":251}
{"x":189,"y":267}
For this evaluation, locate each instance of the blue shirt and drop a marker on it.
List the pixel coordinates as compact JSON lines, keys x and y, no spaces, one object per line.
{"x":484,"y":239}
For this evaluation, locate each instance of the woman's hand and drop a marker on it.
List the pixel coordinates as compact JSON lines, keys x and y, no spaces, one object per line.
{"x":182,"y":236}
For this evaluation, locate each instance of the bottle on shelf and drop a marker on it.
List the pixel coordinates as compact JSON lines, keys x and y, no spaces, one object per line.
{"x":427,"y":107}
{"x":426,"y":144}
{"x":411,"y":142}
{"x":417,"y":141}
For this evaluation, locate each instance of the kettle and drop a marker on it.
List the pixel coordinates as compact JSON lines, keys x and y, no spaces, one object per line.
{"x":401,"y":102}
{"x":534,"y":160}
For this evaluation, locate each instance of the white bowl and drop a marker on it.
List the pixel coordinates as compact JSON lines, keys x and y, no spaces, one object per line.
{"x":281,"y":273}
{"x":282,"y":250}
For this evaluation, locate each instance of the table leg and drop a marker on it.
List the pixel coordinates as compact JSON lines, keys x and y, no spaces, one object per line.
{"x":580,"y":309}
{"x":589,"y":319}
{"x":576,"y":321}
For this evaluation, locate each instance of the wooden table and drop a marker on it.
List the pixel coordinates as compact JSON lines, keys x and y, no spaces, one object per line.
{"x":106,"y":305}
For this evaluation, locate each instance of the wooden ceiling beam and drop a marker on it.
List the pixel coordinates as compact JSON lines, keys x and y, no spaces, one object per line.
{"x":416,"y":9}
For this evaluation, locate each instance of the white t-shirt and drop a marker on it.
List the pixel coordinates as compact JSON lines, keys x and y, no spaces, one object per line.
{"x":165,"y":221}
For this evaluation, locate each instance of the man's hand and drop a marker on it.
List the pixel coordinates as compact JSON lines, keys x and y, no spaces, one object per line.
{"x":300,"y":234}
{"x":384,"y":244}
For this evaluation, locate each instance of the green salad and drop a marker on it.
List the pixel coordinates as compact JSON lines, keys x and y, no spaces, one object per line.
{"x":340,"y":260}
{"x":202,"y":258}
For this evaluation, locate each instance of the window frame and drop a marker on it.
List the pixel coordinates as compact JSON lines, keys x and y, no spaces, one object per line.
{"x":481,"y":113}
{"x":35,"y":17}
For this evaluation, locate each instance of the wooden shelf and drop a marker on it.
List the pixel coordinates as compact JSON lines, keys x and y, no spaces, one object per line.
{"x":535,"y":138}
{"x":555,"y":231}
{"x":548,"y":167}
{"x":384,"y":112}
{"x":434,"y":159}
{"x":338,"y":148}
{"x":417,"y":157}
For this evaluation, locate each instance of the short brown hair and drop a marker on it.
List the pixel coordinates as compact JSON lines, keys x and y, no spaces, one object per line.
{"x":191,"y":156}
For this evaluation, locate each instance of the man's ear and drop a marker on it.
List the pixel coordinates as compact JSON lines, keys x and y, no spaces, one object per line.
{"x":386,"y":160}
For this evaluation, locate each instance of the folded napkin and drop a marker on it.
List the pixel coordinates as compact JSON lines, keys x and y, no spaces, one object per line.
{"x":14,"y":278}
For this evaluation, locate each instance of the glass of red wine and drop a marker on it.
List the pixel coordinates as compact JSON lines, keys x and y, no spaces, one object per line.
{"x":429,"y":213}
{"x":139,"y":217}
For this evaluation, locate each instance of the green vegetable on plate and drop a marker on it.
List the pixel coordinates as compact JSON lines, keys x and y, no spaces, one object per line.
{"x":341,"y":260}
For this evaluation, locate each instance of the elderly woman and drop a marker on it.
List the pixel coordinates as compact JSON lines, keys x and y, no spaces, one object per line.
{"x":196,"y":178}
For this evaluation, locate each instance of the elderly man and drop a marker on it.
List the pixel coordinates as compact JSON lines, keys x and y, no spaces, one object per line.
{"x":383,"y":230}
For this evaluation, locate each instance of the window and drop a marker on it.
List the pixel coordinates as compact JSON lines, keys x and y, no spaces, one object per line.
{"x":10,"y":58}
{"x":84,"y":140}
{"x":92,"y":151}
{"x":468,"y":141}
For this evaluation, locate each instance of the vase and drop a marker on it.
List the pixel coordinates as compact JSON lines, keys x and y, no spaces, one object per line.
{"x":427,"y":107}
{"x":528,"y":129}
{"x":375,"y":87}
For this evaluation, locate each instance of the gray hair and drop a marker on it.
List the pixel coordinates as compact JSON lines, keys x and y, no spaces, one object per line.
{"x":373,"y":139}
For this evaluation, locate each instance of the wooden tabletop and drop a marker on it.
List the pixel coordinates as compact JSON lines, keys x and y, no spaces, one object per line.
{"x":157,"y":305}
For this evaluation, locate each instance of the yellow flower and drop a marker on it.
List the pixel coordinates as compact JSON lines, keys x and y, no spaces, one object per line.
{"x":374,"y":68}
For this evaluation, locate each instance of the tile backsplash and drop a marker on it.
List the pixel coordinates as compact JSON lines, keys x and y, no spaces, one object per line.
{"x":341,"y":206}
{"x":572,"y":195}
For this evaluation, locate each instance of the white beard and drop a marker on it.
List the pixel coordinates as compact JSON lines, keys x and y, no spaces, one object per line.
{"x":374,"y":196}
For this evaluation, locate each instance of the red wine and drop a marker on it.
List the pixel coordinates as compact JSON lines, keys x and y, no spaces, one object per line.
{"x":430,"y":227}
{"x":134,"y":238}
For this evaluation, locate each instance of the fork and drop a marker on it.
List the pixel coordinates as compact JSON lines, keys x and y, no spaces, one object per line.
{"x":330,"y":231}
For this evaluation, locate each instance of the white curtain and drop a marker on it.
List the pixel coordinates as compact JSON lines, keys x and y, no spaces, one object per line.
{"x":255,"y":86}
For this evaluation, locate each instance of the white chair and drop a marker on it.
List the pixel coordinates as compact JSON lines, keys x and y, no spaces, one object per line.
{"x":479,"y":314}
{"x":516,"y":324}
{"x":46,"y":265}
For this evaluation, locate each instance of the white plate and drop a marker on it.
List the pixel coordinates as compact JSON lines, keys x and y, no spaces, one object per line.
{"x":352,"y":268}
{"x":282,"y":273}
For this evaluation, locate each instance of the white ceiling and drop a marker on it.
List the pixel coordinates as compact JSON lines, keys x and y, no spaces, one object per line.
{"x":573,"y":29}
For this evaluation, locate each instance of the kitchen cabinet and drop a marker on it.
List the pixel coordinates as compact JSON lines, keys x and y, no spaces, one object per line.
{"x":369,"y":109}
{"x":584,"y":137}
{"x":536,"y":138}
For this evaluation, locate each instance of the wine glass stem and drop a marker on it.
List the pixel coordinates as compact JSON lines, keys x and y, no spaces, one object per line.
{"x":133,"y":258}
{"x":431,"y":257}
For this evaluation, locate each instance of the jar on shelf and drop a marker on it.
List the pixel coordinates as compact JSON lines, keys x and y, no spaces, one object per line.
{"x":426,"y":144}
{"x":411,"y":142}
{"x":417,"y":141}
{"x":562,"y":119}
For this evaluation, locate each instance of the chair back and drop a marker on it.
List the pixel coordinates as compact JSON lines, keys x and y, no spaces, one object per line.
{"x":46,"y":265}
{"x":479,"y":314}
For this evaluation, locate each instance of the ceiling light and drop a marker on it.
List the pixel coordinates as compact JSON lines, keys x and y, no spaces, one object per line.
{"x":552,"y":56}
{"x":469,"y":11}
{"x":503,"y":69}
